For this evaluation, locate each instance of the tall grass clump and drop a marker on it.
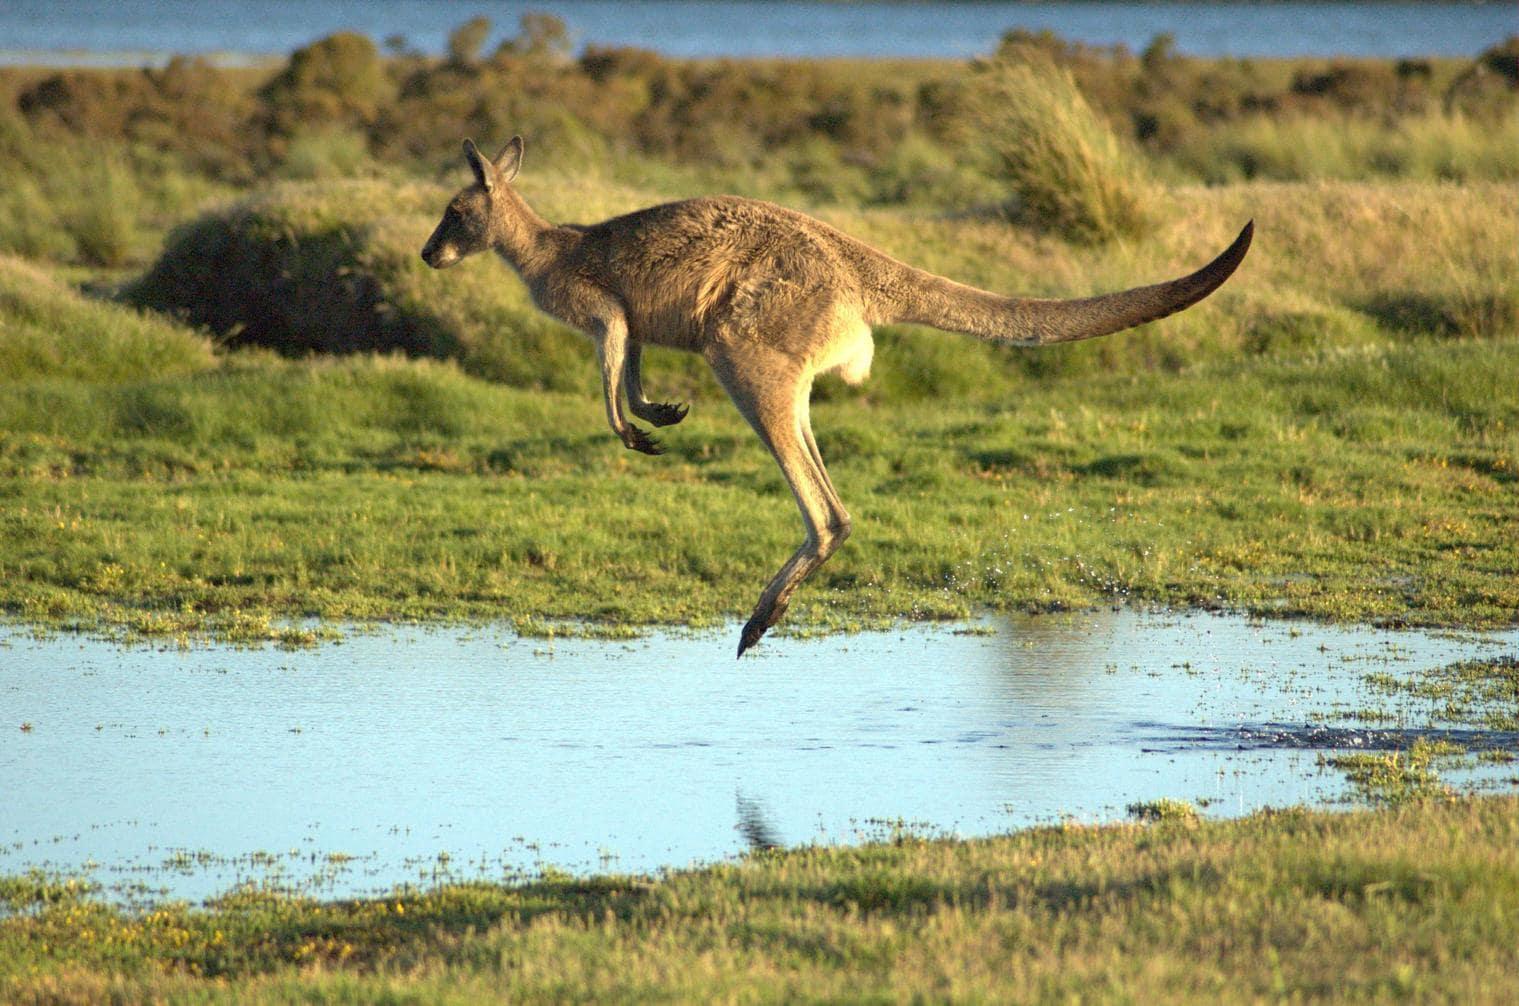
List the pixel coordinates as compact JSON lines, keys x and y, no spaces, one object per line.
{"x":1065,"y":169}
{"x":103,"y":215}
{"x":48,"y":330}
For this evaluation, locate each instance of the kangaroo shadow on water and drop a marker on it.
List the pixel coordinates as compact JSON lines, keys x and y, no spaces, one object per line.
{"x":1051,"y":663}
{"x":754,"y":826}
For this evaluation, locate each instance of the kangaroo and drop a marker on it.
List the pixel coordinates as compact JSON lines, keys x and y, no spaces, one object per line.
{"x":771,"y":298}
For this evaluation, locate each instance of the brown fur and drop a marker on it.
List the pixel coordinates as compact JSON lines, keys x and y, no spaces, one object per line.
{"x":771,"y":298}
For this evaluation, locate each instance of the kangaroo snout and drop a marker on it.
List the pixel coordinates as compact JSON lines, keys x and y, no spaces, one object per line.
{"x":439,"y":256}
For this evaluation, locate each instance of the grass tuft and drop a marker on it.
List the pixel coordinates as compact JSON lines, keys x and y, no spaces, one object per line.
{"x":1066,"y":169}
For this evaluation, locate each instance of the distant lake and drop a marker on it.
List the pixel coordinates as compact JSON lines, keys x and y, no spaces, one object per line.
{"x":136,"y":31}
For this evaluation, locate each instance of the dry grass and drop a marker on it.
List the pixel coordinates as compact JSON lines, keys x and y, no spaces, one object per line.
{"x":1430,"y":147}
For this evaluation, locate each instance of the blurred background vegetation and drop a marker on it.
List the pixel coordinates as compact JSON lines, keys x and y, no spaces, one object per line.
{"x":881,"y":132}
{"x":295,"y":193}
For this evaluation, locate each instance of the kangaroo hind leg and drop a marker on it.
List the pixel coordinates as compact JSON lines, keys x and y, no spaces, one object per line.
{"x":771,"y":391}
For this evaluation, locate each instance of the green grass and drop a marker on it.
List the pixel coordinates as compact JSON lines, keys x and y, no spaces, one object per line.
{"x":1470,"y":694}
{"x":1374,"y":486}
{"x":51,"y":333}
{"x":1397,"y":776}
{"x":1332,"y":435}
{"x":1470,"y":713}
{"x":1408,"y":903}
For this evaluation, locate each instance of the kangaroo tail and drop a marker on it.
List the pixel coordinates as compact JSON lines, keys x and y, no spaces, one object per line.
{"x":922,"y":297}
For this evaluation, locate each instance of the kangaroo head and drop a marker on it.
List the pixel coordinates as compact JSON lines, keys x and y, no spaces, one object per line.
{"x":472,"y":221}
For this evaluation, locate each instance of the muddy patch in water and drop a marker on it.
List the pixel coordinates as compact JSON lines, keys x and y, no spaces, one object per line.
{"x":415,"y":755}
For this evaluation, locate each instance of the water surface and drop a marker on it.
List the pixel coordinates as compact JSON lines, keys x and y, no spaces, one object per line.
{"x":410,"y":755}
{"x":132,"y":31}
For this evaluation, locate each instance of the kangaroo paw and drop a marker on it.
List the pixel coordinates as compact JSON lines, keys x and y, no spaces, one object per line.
{"x":665,"y":414}
{"x":635,"y":439}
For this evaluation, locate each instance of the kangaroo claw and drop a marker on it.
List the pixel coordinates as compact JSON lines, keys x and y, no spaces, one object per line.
{"x":759,"y":623}
{"x":636,"y":439}
{"x":665,"y":414}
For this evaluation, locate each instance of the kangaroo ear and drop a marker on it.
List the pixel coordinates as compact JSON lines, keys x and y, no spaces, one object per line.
{"x":485,"y":171}
{"x":510,"y":158}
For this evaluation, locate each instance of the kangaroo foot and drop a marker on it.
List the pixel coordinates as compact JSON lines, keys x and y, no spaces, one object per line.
{"x":665,"y":414}
{"x":635,"y":439}
{"x":758,"y":624}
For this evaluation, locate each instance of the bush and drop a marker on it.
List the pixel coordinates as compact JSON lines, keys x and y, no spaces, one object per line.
{"x":339,"y":80}
{"x":93,"y":202}
{"x":1066,"y":170}
{"x":188,"y":108}
{"x":466,"y":41}
{"x":334,"y":268}
{"x":1488,"y":87}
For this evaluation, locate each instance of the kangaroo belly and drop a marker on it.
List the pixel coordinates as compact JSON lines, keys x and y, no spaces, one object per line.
{"x":848,"y":351}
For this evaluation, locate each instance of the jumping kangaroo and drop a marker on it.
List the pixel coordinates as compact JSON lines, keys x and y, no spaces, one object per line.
{"x":771,"y":298}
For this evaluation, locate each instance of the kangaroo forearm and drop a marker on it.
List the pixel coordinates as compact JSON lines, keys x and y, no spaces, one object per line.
{"x":611,"y":336}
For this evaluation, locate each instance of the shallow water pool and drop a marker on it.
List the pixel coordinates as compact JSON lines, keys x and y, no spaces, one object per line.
{"x":412,"y":755}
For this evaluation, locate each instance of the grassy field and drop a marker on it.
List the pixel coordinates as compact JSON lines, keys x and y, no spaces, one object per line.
{"x":436,"y":495}
{"x":1406,"y":904}
{"x":1333,"y":435}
